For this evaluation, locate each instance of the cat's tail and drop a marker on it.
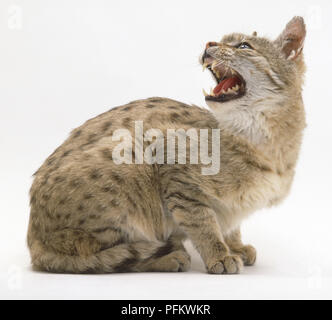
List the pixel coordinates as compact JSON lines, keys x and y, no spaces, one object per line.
{"x":126,"y":257}
{"x":46,"y":259}
{"x":119,"y":258}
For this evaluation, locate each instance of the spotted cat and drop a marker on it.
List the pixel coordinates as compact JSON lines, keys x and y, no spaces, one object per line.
{"x":91,"y":214}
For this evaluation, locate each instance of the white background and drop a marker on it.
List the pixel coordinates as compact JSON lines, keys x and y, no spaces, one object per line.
{"x":62,"y":62}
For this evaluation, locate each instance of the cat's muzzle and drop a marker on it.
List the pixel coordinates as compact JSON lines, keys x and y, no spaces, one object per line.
{"x":230,"y":84}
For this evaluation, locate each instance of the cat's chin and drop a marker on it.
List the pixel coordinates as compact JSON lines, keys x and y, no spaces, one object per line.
{"x":230,"y":83}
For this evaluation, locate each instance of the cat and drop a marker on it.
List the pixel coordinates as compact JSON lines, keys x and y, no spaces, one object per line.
{"x":92,"y":215}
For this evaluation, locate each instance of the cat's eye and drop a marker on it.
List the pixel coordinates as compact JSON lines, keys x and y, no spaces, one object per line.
{"x":244,"y":45}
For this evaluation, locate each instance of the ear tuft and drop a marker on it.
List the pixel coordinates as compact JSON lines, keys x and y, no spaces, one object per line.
{"x":291,"y":40}
{"x":254,"y":34}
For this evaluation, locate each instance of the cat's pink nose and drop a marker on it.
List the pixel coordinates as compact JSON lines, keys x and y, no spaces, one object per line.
{"x":206,"y":54}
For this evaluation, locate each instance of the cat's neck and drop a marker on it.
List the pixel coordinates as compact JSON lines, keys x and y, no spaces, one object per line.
{"x":245,"y":123}
{"x":272,"y":125}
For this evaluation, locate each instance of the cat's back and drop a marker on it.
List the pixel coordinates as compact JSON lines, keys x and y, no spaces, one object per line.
{"x":97,"y":133}
{"x":87,"y":154}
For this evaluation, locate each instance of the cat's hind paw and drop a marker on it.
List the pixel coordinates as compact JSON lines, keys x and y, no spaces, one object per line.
{"x":176,"y":261}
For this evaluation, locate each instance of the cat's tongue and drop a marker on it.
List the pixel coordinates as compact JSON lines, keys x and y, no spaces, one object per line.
{"x":226,"y":84}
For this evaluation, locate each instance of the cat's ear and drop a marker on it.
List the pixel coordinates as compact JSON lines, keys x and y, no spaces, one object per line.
{"x":291,"y":40}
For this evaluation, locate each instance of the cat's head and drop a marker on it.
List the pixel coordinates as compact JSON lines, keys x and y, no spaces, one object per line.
{"x":251,"y":70}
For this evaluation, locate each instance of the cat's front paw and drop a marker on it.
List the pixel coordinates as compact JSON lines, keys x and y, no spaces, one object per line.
{"x":230,"y":264}
{"x":248,"y":255}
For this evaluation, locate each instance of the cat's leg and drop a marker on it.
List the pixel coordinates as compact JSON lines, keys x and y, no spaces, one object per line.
{"x":246,"y":252}
{"x":202,"y":228}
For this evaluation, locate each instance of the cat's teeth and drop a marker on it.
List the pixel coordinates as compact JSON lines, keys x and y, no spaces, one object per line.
{"x":218,"y":74}
{"x":228,"y":91}
{"x":205,"y":93}
{"x":205,"y":65}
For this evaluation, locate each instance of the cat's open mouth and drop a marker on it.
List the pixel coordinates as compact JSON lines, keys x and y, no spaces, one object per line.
{"x":230,"y":84}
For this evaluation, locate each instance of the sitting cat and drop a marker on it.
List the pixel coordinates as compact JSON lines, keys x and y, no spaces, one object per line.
{"x":91,"y":214}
